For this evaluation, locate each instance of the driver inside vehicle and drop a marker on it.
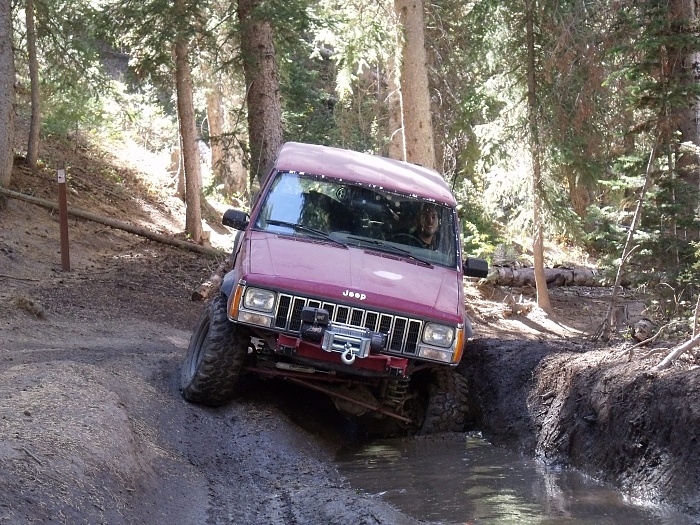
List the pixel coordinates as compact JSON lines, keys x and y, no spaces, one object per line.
{"x":427,"y":224}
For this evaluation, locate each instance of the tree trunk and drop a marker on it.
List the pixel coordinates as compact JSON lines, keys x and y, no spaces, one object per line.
{"x":262,"y":88}
{"x":415,"y":93}
{"x":239,"y":181}
{"x":188,"y":136}
{"x":7,"y":93}
{"x":685,"y":71}
{"x":538,"y":256}
{"x":397,"y":144}
{"x":538,"y":235}
{"x":226,"y":155}
{"x":35,"y":123}
{"x":220,"y":166}
{"x":579,"y":195}
{"x":178,"y":169}
{"x":234,"y":152}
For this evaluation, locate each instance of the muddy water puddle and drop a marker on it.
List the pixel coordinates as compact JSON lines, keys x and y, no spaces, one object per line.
{"x":466,"y":480}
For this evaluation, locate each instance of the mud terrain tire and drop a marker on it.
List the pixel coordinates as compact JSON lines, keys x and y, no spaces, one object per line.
{"x":448,"y":406}
{"x":215,"y":357}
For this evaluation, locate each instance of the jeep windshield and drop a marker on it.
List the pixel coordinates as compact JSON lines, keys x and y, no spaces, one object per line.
{"x":358,"y":215}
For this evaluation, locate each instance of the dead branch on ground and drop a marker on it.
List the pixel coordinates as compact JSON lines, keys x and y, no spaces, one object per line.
{"x":676,"y":353}
{"x":655,"y":351}
{"x":3,"y":276}
{"x":113,"y":223}
{"x":212,"y":285}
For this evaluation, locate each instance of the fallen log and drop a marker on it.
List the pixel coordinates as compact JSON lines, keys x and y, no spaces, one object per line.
{"x":507,"y":276}
{"x":116,"y":224}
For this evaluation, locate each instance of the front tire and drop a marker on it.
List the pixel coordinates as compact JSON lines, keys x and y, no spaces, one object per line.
{"x":448,"y":406}
{"x":215,"y":357}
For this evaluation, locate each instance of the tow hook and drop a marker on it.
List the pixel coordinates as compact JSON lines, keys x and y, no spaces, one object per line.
{"x":348,"y":357}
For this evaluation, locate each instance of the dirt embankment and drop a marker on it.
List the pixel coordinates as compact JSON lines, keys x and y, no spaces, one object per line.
{"x":93,"y":428}
{"x":593,"y":409}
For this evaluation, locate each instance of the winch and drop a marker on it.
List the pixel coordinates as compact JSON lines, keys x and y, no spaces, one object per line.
{"x":350,"y":341}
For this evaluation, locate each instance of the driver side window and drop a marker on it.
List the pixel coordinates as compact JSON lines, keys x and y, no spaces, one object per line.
{"x":316,"y":211}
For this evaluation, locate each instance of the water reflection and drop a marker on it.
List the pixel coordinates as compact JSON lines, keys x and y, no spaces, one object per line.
{"x":464,"y":479}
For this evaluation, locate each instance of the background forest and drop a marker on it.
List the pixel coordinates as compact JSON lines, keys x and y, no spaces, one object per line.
{"x":551,"y":120}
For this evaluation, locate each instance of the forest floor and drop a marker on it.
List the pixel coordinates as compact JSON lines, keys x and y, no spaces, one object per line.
{"x":93,"y":428}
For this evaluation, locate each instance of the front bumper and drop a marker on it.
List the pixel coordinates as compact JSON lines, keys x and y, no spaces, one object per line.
{"x":379,"y":365}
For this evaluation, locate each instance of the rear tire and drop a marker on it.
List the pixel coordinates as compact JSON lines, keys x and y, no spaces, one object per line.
{"x":448,"y":406}
{"x":215,"y":357}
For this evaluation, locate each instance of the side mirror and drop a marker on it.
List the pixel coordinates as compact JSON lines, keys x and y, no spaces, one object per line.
{"x":475,"y":267}
{"x":236,"y":219}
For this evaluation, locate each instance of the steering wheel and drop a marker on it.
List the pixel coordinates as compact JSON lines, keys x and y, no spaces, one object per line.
{"x":407,"y":238}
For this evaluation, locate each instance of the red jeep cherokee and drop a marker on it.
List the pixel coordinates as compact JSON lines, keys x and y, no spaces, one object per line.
{"x":333,"y":288}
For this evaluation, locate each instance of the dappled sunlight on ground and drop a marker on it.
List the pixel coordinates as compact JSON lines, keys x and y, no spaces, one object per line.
{"x":577,"y":311}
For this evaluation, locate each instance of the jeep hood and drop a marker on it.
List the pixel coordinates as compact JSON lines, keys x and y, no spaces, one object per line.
{"x":353,"y":275}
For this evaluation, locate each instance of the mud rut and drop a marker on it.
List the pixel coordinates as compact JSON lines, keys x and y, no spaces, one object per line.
{"x":96,"y":432}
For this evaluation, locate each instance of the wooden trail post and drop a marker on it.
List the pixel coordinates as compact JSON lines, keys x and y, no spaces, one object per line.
{"x":63,"y":219}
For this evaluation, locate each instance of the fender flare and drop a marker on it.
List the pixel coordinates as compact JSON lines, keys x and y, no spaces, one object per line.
{"x":229,"y":282}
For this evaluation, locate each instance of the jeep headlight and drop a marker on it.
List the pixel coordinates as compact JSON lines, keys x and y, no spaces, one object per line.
{"x":259,"y":300}
{"x":438,"y":335}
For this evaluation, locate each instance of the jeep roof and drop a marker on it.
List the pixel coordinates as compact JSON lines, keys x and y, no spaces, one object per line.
{"x":366,"y":169}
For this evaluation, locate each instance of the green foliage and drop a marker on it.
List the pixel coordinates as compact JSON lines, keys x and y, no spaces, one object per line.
{"x":479,"y":239}
{"x":605,"y":232}
{"x":71,"y":109}
{"x":653,"y":42}
{"x":361,"y":37}
{"x":507,"y":199}
{"x":147,"y":31}
{"x":72,"y":80}
{"x":350,"y":63}
{"x":308,"y":102}
{"x":69,"y":45}
{"x":140,"y":117}
{"x":472,"y":95}
{"x":479,"y":235}
{"x":653,"y":88}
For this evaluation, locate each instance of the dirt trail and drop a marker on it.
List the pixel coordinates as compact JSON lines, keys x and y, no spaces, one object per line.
{"x":103,"y":437}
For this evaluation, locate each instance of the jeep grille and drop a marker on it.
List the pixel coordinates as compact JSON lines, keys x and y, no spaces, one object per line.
{"x":402,"y":332}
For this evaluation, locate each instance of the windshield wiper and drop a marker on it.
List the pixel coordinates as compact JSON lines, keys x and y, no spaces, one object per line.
{"x":390,"y":248}
{"x":301,"y":228}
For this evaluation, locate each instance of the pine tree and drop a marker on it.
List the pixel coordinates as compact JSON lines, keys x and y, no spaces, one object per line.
{"x":7,"y":93}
